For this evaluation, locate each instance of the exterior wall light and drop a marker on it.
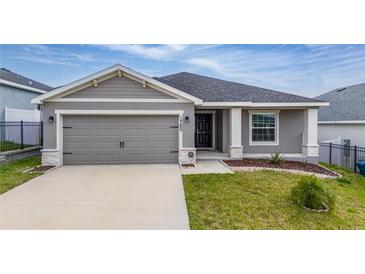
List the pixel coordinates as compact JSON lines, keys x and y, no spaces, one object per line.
{"x":187,"y":119}
{"x":50,"y":119}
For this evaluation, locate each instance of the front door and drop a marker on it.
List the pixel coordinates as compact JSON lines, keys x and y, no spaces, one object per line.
{"x":203,"y":127}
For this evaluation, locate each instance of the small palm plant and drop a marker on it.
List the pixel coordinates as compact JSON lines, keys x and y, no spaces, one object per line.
{"x":313,"y":194}
{"x":276,"y":158}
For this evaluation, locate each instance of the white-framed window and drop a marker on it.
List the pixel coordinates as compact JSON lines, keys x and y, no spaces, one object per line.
{"x":264,"y":127}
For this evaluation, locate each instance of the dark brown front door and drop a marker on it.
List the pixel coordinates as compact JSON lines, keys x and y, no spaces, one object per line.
{"x":203,"y":127}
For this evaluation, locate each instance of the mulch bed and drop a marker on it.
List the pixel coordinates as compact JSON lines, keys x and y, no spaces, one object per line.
{"x":293,"y":165}
{"x":187,"y":165}
{"x":39,"y":169}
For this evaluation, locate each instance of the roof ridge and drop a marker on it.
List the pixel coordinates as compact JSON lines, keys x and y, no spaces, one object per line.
{"x":336,"y":89}
{"x":237,"y":83}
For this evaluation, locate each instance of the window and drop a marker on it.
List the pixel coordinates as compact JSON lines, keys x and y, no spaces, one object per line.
{"x":263,"y":128}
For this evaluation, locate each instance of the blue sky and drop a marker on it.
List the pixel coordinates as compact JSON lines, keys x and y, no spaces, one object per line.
{"x":307,"y":70}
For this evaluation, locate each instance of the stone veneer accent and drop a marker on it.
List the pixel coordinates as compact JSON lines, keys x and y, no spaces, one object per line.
{"x":50,"y":158}
{"x":235,"y":152}
{"x":310,"y":150}
{"x":184,"y":157}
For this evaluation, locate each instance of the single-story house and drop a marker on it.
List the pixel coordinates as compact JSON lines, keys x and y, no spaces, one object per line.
{"x":344,"y":119}
{"x":120,"y":116}
{"x":16,"y":91}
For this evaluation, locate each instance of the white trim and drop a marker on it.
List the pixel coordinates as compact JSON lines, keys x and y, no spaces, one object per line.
{"x":49,"y":150}
{"x":226,"y":104}
{"x":118,"y":112}
{"x":16,"y":85}
{"x":310,"y":133}
{"x":304,"y":104}
{"x":213,"y":112}
{"x":342,"y":122}
{"x":117,"y":100}
{"x":61,"y":112}
{"x":253,"y":105}
{"x":252,"y":143}
{"x":115,"y":70}
{"x":235,"y":128}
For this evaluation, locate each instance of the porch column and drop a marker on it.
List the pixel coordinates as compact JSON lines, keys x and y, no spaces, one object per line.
{"x":235,"y":130}
{"x":310,"y":143}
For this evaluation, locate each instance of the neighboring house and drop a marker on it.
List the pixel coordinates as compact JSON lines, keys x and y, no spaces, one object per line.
{"x":16,"y":91}
{"x":344,"y":118}
{"x":119,"y":116}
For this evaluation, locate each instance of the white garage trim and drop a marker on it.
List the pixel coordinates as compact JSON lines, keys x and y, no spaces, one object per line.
{"x":116,"y":100}
{"x":118,"y":112}
{"x":61,"y":112}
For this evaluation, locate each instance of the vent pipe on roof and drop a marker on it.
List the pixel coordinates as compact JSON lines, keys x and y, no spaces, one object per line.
{"x":341,"y":89}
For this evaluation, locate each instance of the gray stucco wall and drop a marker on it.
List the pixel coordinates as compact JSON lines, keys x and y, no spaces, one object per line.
{"x":354,"y":132}
{"x":119,"y":88}
{"x":291,"y":126}
{"x":50,"y":129}
{"x":222,"y":127}
{"x":15,"y":98}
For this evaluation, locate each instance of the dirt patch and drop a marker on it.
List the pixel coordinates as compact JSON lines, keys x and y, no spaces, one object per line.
{"x":291,"y":165}
{"x":39,"y":169}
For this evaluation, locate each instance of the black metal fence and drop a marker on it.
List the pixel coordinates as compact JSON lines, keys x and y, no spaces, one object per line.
{"x":20,"y":135}
{"x":342,"y":155}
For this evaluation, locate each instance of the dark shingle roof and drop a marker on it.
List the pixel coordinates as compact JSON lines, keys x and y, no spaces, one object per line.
{"x":215,"y":90}
{"x":346,"y":103}
{"x":10,"y":76}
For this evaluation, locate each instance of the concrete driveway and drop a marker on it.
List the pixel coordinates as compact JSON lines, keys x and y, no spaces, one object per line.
{"x":98,"y":197}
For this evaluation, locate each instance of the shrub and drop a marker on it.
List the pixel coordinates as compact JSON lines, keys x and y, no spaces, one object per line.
{"x":276,"y":158}
{"x":311,"y":193}
{"x":343,"y":180}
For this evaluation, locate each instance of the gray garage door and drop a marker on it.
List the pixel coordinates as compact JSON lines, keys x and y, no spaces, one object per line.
{"x":120,"y":139}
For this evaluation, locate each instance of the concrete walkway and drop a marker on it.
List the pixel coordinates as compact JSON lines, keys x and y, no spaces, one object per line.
{"x":206,"y":166}
{"x":98,"y":197}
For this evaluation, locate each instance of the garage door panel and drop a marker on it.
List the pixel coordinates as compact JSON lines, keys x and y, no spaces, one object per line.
{"x":77,"y":131}
{"x":111,"y":144}
{"x":107,"y":158}
{"x":106,"y":152}
{"x":74,"y":144}
{"x":106,"y":132}
{"x":96,"y":139}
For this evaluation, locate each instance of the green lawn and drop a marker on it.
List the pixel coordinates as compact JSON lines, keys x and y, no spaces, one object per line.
{"x":261,"y":200}
{"x":8,"y":146}
{"x":11,"y":174}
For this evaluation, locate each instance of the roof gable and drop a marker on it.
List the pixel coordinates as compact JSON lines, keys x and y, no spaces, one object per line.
{"x":116,"y":70}
{"x":119,"y":87}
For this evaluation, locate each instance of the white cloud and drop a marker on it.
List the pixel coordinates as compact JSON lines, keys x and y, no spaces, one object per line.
{"x":160,"y":52}
{"x":205,"y":63}
{"x":51,"y":55}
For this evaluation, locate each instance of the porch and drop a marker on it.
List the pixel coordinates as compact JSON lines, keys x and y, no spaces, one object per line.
{"x":236,"y":133}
